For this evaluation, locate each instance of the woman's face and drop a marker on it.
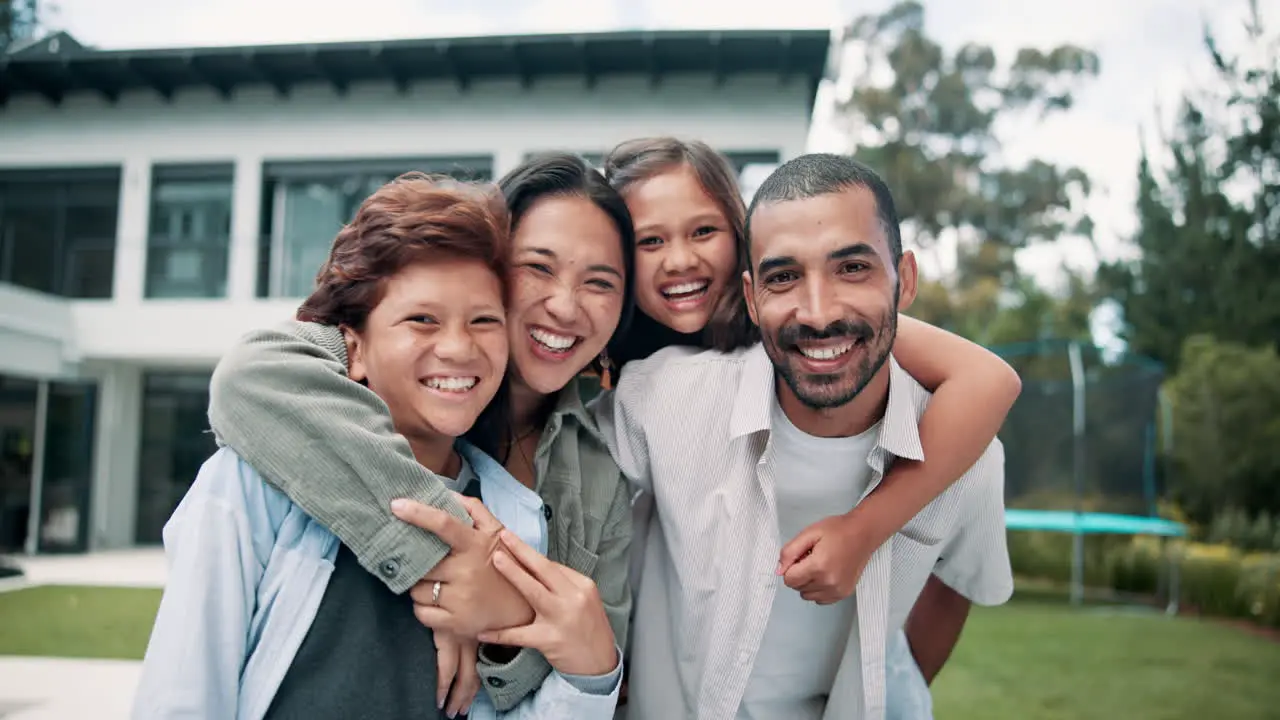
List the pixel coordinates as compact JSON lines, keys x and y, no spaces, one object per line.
{"x":566,"y":286}
{"x":435,"y":348}
{"x":685,"y":254}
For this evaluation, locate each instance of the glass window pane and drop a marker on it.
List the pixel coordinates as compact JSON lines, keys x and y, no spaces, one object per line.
{"x":190,"y":238}
{"x":58,"y":231}
{"x":305,"y":204}
{"x":31,"y":246}
{"x":175,"y":443}
{"x":68,"y":468}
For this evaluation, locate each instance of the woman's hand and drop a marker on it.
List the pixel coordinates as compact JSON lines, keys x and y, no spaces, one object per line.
{"x":456,"y":669}
{"x":569,"y":626}
{"x":472,"y":596}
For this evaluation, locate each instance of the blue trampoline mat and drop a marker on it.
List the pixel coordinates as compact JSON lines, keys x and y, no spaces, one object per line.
{"x":1087,"y":523}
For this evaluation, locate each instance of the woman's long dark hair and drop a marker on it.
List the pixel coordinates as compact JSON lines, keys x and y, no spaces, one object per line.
{"x":540,"y":177}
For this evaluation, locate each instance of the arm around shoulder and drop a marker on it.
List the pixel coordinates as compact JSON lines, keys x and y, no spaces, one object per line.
{"x":282,"y":400}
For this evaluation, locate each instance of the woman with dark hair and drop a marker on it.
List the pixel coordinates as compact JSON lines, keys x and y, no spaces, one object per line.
{"x":569,"y":280}
{"x":267,"y":612}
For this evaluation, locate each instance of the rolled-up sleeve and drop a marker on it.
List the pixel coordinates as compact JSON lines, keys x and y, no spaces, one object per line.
{"x":572,"y":697}
{"x":975,"y":559}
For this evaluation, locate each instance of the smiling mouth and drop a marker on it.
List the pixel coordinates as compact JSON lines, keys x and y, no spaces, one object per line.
{"x":553,"y":342}
{"x":827,"y":357}
{"x":686,"y":291}
{"x":456,"y":385}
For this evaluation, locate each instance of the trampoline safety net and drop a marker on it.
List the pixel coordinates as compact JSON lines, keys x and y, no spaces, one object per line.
{"x":1120,"y":408}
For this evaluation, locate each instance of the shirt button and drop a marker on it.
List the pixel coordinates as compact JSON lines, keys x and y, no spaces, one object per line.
{"x":390,"y":568}
{"x":497,"y":682}
{"x":546,"y":512}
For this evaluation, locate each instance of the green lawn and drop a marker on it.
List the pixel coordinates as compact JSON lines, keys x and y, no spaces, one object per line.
{"x":68,"y":621}
{"x":1035,"y":659}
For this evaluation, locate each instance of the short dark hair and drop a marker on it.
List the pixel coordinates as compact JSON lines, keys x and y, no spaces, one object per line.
{"x":817,"y":174}
{"x":568,"y":175}
{"x":636,"y":161}
{"x":411,"y":218}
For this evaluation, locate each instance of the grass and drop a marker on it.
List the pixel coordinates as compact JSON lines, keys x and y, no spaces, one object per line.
{"x":81,"y":622}
{"x":1036,"y":659}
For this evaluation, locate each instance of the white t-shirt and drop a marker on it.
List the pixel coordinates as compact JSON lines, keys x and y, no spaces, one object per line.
{"x":803,"y":641}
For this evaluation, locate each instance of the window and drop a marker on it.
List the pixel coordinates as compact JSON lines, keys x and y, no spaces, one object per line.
{"x":742,"y":159}
{"x":58,"y":230}
{"x":305,"y":204}
{"x":190,"y":232}
{"x":175,"y":443}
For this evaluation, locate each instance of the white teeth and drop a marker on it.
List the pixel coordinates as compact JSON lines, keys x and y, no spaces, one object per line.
{"x":452,"y":384}
{"x":552,"y":340}
{"x":686,"y":288}
{"x":827,"y":353}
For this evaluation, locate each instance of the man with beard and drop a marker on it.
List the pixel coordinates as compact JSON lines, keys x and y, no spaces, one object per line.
{"x":737,"y":462}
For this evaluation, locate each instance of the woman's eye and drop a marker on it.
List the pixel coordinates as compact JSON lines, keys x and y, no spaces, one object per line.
{"x":539,"y":267}
{"x":423,"y":319}
{"x":649,"y":242}
{"x":602,"y":284}
{"x":705,"y":230}
{"x":488,"y":320}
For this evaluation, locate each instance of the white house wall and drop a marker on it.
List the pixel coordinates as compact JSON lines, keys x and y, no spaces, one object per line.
{"x":498,"y":119}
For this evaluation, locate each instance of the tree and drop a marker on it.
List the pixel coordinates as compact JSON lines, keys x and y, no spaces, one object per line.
{"x":930,"y":126}
{"x":1226,"y":428}
{"x":1208,"y":210}
{"x":17,"y":21}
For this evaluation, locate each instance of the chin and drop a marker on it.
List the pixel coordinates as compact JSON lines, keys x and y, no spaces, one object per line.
{"x":453,"y":425}
{"x":548,"y":381}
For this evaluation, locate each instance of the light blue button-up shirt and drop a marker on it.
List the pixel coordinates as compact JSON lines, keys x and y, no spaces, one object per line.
{"x":247,"y":572}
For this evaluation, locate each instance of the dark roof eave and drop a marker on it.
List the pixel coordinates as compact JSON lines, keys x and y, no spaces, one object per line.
{"x":461,"y":60}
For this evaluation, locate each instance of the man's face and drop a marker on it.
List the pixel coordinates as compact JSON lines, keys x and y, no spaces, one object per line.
{"x":825,"y":293}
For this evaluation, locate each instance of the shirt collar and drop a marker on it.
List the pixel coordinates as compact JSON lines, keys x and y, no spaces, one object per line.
{"x":899,"y":428}
{"x":569,"y":404}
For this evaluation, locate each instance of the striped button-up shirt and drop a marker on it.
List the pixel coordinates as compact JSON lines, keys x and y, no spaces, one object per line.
{"x":692,"y":429}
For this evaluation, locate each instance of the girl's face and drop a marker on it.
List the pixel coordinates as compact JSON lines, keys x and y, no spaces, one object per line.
{"x":435,"y":347}
{"x":566,"y":287}
{"x":685,"y":254}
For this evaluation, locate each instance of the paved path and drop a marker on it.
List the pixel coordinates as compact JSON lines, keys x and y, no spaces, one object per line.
{"x":127,"y":568}
{"x":58,"y":689}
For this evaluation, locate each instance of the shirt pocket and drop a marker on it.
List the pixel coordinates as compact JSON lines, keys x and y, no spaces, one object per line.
{"x":580,"y":558}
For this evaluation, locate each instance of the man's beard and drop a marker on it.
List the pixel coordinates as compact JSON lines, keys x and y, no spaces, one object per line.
{"x":823,"y":391}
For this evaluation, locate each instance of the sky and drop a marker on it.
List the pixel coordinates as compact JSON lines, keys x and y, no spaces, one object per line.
{"x":1151,"y":52}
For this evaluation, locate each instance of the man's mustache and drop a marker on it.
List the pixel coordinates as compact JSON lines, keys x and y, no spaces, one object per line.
{"x":792,"y":335}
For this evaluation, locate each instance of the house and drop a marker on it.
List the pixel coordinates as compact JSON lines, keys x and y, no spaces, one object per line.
{"x":155,"y":205}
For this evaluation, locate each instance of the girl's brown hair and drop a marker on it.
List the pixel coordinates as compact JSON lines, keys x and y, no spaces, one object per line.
{"x":636,"y":161}
{"x":409,"y":219}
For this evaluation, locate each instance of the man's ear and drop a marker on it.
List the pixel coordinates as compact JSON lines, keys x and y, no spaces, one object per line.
{"x":749,"y":297}
{"x":355,"y":354}
{"x":908,"y":279}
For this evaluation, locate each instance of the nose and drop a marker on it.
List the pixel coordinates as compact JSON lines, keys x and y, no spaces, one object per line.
{"x":562,"y":305}
{"x":454,"y":343}
{"x":679,"y":257}
{"x":818,"y":306}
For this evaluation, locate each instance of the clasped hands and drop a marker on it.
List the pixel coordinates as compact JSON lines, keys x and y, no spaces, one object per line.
{"x":494,"y":588}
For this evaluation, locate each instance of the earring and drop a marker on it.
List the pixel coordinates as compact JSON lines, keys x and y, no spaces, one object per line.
{"x":606,"y":377}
